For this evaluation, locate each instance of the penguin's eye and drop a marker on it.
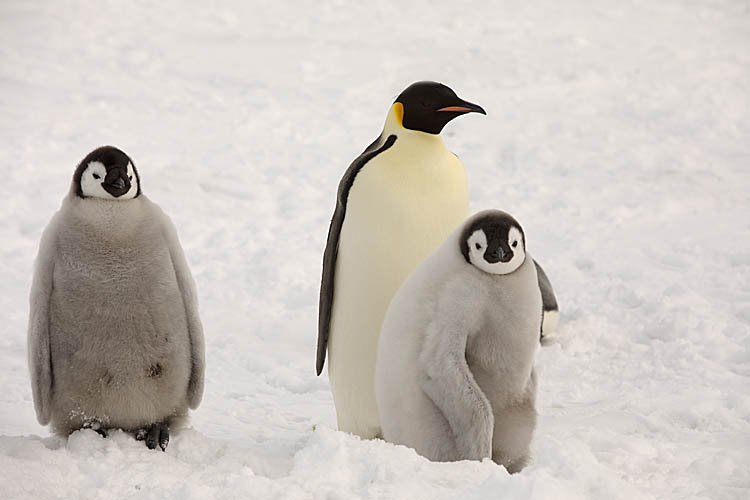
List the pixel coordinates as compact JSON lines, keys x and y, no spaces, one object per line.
{"x":515,"y":244}
{"x":96,"y":176}
{"x":130,"y":177}
{"x":479,"y":247}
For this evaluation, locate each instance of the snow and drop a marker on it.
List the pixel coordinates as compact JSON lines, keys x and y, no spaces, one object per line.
{"x":618,"y":134}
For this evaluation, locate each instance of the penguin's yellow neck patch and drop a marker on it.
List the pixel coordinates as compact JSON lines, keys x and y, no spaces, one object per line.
{"x":398,"y":111}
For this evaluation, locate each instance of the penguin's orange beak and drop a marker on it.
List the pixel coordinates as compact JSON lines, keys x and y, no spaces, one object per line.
{"x":458,"y":109}
{"x":464,"y":107}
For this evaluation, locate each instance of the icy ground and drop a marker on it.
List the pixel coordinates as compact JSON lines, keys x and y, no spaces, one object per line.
{"x":618,"y":133}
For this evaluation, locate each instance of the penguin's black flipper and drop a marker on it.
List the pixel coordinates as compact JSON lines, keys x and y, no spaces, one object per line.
{"x":332,"y":246}
{"x":550,"y":309}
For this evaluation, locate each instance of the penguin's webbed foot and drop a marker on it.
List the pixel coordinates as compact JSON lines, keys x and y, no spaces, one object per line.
{"x":96,"y":427}
{"x":157,"y":434}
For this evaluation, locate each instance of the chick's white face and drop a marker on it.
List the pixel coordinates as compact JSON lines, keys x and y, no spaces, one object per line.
{"x":502,"y":254}
{"x":96,"y":184}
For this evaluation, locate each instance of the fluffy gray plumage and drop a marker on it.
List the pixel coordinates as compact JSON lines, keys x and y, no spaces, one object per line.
{"x":114,"y":333}
{"x":455,"y":370}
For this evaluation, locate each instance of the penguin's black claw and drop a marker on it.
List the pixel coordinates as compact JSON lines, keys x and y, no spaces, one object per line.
{"x":153,"y":437}
{"x":158,"y":434}
{"x":164,"y":438}
{"x":96,"y":427}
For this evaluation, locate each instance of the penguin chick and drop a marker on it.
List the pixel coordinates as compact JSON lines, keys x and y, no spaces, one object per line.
{"x":455,"y":373}
{"x":114,"y":339}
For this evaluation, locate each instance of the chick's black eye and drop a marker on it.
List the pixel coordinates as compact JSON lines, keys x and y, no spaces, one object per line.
{"x":479,"y":247}
{"x":515,"y":244}
{"x":96,"y":176}
{"x":130,"y":177}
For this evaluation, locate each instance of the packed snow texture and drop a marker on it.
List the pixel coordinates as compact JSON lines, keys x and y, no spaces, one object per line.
{"x":618,"y":133}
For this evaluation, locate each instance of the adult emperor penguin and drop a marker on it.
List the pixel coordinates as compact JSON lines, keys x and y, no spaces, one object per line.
{"x":455,"y":370}
{"x":115,"y":340}
{"x":396,"y":202}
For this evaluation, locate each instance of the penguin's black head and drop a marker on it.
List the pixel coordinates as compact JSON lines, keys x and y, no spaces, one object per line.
{"x":107,"y":173}
{"x":494,"y":242}
{"x":428,"y":106}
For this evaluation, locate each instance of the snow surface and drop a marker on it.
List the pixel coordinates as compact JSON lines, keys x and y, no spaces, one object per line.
{"x":618,"y":133}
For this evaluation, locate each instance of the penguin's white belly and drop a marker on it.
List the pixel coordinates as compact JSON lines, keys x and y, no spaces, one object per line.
{"x":398,"y":211}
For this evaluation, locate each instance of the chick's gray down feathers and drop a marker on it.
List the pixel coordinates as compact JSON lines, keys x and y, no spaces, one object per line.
{"x":114,"y":332}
